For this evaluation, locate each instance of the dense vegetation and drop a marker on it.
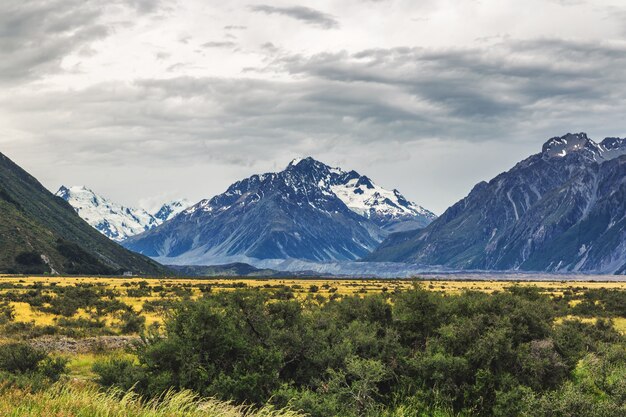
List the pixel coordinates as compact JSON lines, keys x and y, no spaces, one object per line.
{"x":353,"y":348}
{"x":412,"y":353}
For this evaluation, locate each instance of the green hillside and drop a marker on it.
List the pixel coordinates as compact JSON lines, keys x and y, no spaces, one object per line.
{"x":41,"y":233}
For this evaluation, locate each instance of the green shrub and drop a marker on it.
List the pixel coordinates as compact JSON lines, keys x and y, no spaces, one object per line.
{"x":30,"y":263}
{"x":117,"y":372}
{"x":131,"y":322}
{"x":53,"y":368}
{"x":413,"y":353}
{"x":20,"y":358}
{"x":29,"y":259}
{"x":7,"y":313}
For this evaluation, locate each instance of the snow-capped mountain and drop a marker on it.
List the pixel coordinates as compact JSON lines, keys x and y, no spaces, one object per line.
{"x":308,"y":211}
{"x":388,"y":209}
{"x":113,"y":220}
{"x":170,"y":210}
{"x":560,"y":210}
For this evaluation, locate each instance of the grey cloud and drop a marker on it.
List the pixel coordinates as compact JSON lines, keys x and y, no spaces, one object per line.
{"x":269,"y":47}
{"x":146,"y":6}
{"x":35,"y":35}
{"x":493,"y":84}
{"x":569,"y":2}
{"x":618,"y":14}
{"x":235,"y":27}
{"x":517,"y":90}
{"x":367,"y":104}
{"x":304,"y":14}
{"x":219,"y":44}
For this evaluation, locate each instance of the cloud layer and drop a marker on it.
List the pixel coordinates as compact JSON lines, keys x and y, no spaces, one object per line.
{"x":93,"y":94}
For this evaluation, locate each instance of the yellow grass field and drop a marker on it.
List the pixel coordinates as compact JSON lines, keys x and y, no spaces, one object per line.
{"x":301,"y":287}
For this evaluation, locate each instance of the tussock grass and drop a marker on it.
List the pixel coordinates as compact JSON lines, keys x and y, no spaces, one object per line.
{"x":67,"y":400}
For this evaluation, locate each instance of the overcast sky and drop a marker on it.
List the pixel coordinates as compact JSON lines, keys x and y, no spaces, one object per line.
{"x":148,"y":100}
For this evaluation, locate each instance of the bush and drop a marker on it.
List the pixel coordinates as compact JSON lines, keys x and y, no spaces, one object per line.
{"x":24,"y":367}
{"x":30,"y":263}
{"x":52,"y":368}
{"x":117,"y":372}
{"x":131,"y":322}
{"x":29,"y":259}
{"x":20,"y":358}
{"x":7,"y":313}
{"x":79,"y":261}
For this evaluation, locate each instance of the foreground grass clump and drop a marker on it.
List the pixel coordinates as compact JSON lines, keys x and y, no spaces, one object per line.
{"x":75,"y":401}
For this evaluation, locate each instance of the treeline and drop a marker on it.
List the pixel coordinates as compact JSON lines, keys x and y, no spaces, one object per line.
{"x":412,"y":353}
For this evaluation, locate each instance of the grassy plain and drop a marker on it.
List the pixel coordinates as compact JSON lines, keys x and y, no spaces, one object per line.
{"x":84,"y":319}
{"x":173,"y":289}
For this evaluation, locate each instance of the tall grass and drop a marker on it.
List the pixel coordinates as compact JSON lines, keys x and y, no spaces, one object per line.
{"x":66,"y":400}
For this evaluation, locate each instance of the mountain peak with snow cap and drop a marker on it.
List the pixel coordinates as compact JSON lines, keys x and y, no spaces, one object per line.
{"x":113,"y":220}
{"x":360,"y":194}
{"x":559,"y":147}
{"x":307,"y":211}
{"x":581,"y":144}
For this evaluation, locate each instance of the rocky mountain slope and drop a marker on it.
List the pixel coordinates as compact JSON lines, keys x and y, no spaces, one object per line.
{"x":563,"y":209}
{"x":41,"y":233}
{"x":114,"y":220}
{"x":308,"y":211}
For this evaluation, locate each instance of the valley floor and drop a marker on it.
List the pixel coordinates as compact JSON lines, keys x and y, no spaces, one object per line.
{"x":86,"y":321}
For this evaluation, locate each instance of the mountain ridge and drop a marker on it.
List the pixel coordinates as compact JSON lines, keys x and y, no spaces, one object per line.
{"x":563,"y":209}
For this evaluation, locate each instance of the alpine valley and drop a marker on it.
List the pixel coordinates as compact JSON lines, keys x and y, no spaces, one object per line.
{"x":561,"y":210}
{"x":309,"y":211}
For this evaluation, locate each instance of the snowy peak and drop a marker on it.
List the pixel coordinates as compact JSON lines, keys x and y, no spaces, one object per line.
{"x":613,"y":147}
{"x":613,"y":143}
{"x":171,"y":209}
{"x":296,"y":161}
{"x":320,"y":185}
{"x":559,"y":147}
{"x":63,"y":192}
{"x":579,"y":143}
{"x":364,"y":197}
{"x":559,"y":211}
{"x":113,"y":220}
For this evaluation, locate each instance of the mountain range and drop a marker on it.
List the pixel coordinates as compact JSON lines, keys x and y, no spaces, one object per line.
{"x":114,"y":220}
{"x":308,"y":211}
{"x":41,"y":233}
{"x":560,"y":210}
